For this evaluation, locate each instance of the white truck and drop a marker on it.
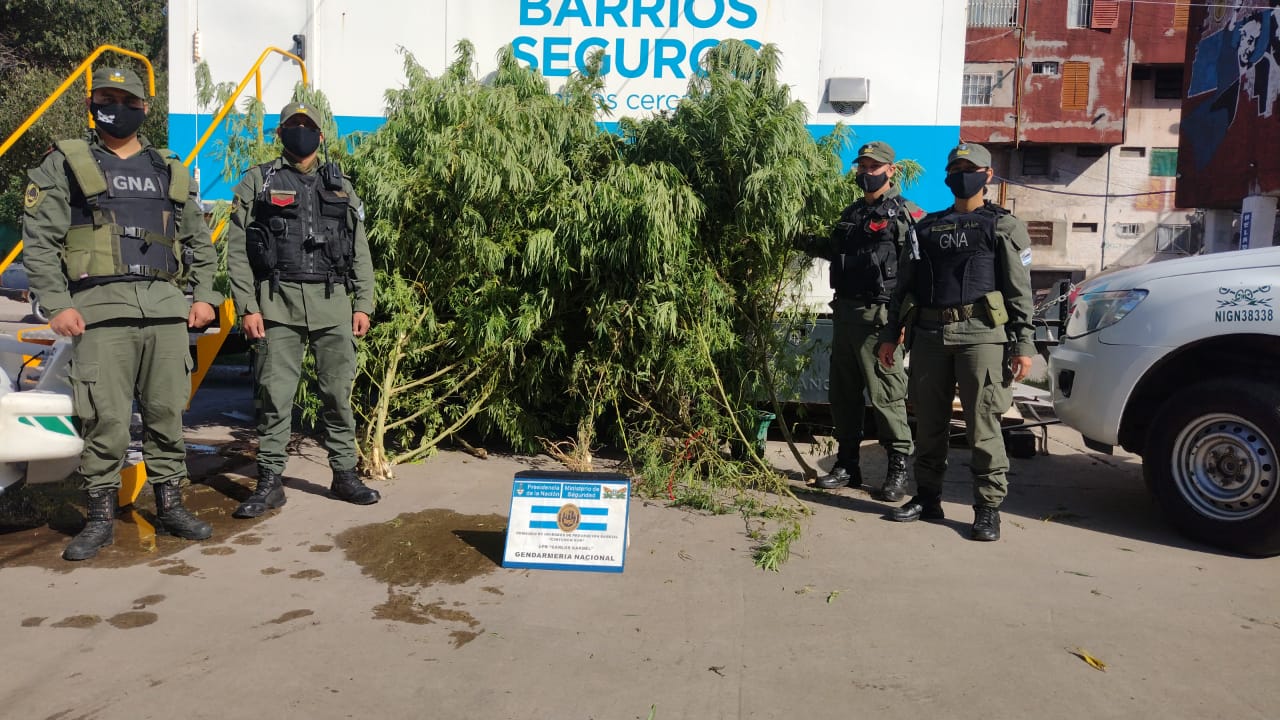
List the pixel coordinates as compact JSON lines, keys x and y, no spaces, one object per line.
{"x":1179,"y":362}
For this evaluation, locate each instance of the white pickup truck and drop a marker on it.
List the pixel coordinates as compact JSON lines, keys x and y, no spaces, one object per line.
{"x":1179,"y":362}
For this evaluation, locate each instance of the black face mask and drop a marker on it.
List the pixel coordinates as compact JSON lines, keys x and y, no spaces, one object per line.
{"x":965,"y":185}
{"x":300,"y":141}
{"x":870,"y":183}
{"x":117,"y":119}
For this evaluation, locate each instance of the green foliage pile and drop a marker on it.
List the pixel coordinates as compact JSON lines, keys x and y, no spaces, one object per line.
{"x":559,"y":287}
{"x":551,"y":286}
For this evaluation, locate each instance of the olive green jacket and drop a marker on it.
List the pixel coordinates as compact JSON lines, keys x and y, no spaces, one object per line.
{"x":46,"y":220}
{"x":1013,"y":280}
{"x":295,"y":303}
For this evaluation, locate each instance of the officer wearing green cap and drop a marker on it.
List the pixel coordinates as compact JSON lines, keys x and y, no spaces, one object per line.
{"x":113,"y":233}
{"x":964,"y":298}
{"x":302,"y":275}
{"x":863,"y":250}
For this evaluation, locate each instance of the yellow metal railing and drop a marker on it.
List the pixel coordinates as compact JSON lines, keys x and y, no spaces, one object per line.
{"x":255,"y":74}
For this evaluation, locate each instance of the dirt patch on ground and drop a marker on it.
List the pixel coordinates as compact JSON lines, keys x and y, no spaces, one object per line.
{"x":218,"y":550}
{"x":291,"y":615}
{"x":79,"y":622}
{"x":401,"y":608}
{"x":176,"y":567}
{"x":132,"y":619}
{"x":272,"y":571}
{"x":147,"y":601}
{"x":307,"y":575}
{"x":427,"y":547}
{"x":462,"y":637}
{"x":248,"y":540}
{"x":321,"y":548}
{"x":33,"y":621}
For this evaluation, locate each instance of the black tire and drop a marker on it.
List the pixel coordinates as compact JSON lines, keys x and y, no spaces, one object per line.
{"x":1211,"y":463}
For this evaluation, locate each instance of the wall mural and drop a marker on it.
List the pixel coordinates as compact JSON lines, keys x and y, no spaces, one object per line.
{"x":1231,"y":108}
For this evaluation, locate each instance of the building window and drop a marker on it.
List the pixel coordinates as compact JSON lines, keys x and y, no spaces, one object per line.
{"x":1133,"y":152}
{"x":1079,"y":13}
{"x":993,"y":13}
{"x":1128,"y":230}
{"x":1168,"y":83}
{"x":1164,"y":162}
{"x":1035,"y":160}
{"x":1181,"y":14}
{"x":1173,"y":238}
{"x":1075,"y":86}
{"x":1049,"y":67}
{"x":977,"y":88}
{"x":1040,"y":232}
{"x":1084,"y":227}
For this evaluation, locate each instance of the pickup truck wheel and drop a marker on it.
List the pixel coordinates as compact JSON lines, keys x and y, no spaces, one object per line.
{"x":1212,"y":464}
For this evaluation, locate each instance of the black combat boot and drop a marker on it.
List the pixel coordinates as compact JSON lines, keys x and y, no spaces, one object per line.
{"x":842,"y":473}
{"x":268,"y":495}
{"x":895,"y":480}
{"x":924,"y":505}
{"x":99,"y":527}
{"x":347,"y":486}
{"x":986,"y":523}
{"x":176,"y":519}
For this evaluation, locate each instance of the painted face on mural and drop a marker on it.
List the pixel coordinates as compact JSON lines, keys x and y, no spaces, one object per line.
{"x":1250,"y":31}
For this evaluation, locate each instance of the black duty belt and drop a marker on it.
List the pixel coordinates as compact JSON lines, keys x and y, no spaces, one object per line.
{"x":947,"y":315}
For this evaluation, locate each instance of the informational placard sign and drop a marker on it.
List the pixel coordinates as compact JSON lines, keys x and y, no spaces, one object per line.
{"x":568,"y":521}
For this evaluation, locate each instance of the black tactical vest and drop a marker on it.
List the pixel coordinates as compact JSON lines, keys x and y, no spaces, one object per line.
{"x":957,"y":257}
{"x":866,"y":250}
{"x":127,"y":232}
{"x":303,"y":227}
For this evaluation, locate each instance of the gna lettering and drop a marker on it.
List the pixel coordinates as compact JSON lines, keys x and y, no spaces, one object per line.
{"x":125,"y":183}
{"x":657,"y":57}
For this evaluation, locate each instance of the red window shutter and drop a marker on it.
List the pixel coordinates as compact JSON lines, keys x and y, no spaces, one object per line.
{"x":1106,"y":14}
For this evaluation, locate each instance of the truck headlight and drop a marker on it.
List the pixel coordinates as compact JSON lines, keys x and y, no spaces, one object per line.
{"x":1095,"y":311}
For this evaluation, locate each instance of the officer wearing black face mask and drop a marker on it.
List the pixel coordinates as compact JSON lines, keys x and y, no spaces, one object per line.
{"x":964,"y":298}
{"x":302,"y":276}
{"x":113,"y":233}
{"x":863,"y":249}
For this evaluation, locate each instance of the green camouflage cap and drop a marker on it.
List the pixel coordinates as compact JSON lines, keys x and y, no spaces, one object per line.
{"x":973,"y":152}
{"x":301,"y":108}
{"x":122,"y":78}
{"x":878,"y":151}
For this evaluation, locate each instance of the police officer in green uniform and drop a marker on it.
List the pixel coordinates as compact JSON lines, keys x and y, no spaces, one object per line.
{"x":301,"y":274}
{"x":863,"y":250}
{"x":113,"y":231}
{"x":964,"y":296}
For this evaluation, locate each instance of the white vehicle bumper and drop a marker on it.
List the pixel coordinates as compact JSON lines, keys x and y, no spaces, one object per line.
{"x":1092,"y":382}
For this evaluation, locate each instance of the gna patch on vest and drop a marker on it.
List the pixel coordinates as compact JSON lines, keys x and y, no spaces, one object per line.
{"x":283,"y":198}
{"x":129,"y":183}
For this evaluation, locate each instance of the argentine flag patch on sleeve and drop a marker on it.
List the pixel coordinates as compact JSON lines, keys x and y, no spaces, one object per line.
{"x":1025,"y":257}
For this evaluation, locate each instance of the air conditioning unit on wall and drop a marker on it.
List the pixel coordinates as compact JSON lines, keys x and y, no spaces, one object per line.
{"x":847,"y":95}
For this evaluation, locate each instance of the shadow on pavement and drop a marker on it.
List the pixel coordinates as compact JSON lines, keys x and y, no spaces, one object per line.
{"x":489,"y":543}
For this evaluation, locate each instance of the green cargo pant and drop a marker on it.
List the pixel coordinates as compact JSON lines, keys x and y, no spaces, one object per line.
{"x":114,"y":362}
{"x":985,"y":394}
{"x":278,"y":369}
{"x":854,"y":329}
